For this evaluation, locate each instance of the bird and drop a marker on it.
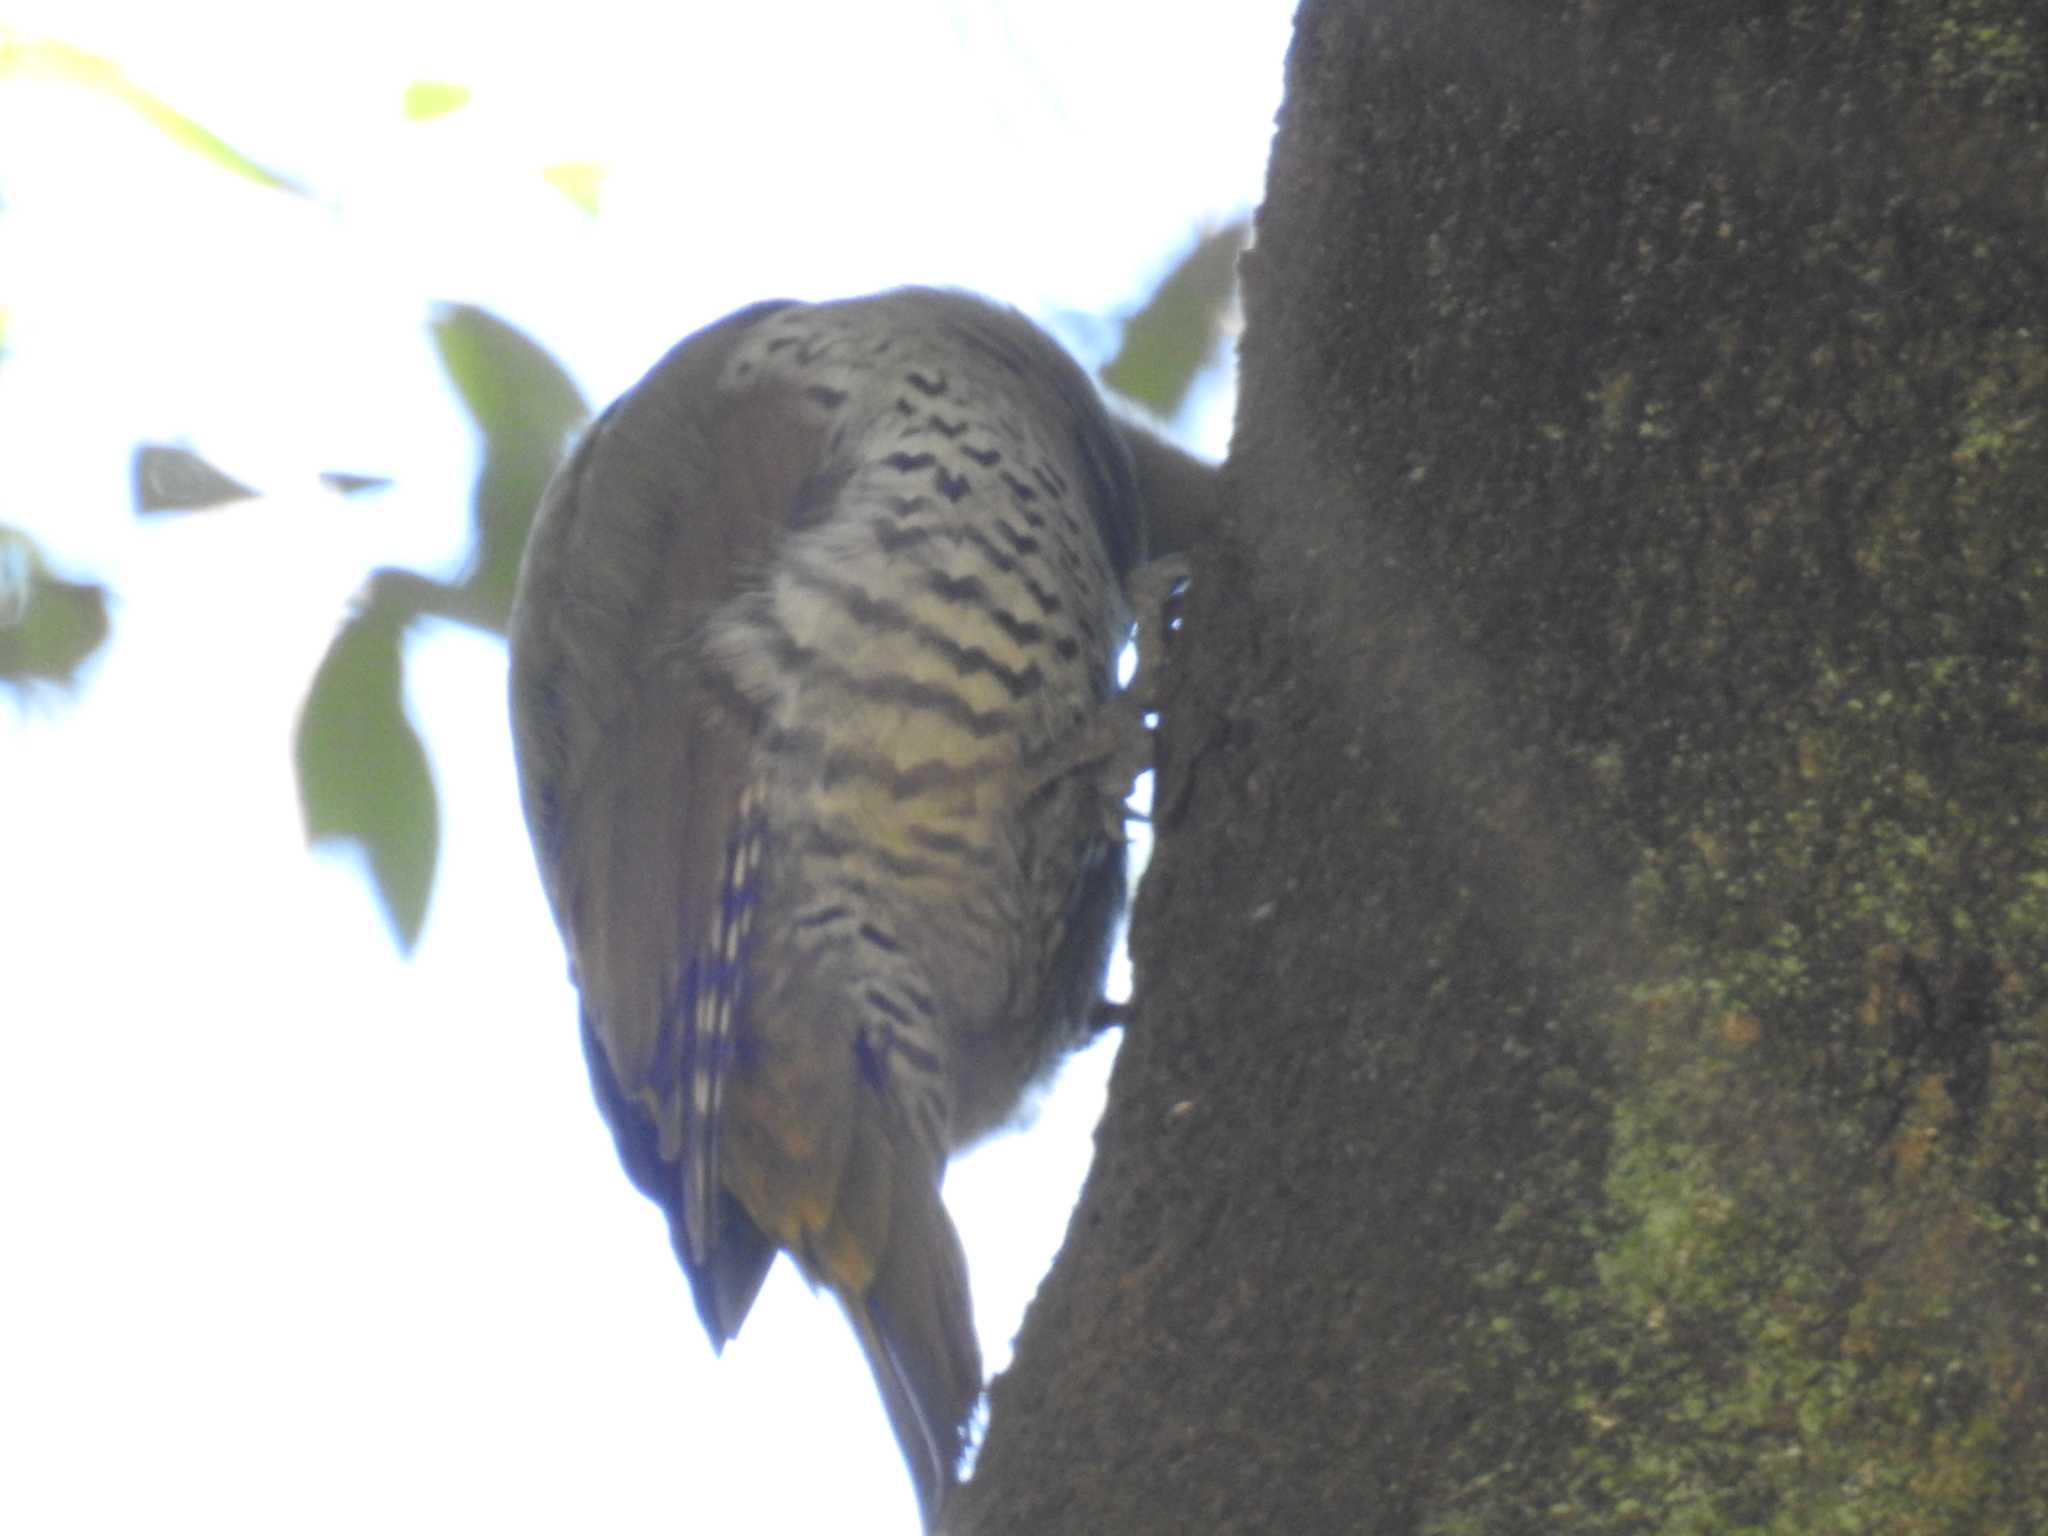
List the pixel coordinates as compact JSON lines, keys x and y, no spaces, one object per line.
{"x":812,"y":678}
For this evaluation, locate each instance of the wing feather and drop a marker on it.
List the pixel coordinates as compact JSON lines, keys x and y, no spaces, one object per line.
{"x":634,"y":762}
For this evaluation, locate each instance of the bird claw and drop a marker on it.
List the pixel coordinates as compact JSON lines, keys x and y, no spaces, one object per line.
{"x":1117,"y":744}
{"x":1154,"y":589}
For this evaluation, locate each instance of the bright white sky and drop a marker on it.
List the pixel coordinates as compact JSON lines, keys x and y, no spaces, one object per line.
{"x":299,"y":1236}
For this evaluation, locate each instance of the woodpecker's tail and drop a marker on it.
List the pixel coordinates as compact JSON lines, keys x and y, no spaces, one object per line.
{"x":917,"y":1329}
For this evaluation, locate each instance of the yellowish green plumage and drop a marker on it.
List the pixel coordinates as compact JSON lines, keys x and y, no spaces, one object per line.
{"x":811,"y":662}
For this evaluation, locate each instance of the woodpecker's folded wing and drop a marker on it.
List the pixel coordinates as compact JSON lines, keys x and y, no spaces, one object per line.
{"x":633,"y":763}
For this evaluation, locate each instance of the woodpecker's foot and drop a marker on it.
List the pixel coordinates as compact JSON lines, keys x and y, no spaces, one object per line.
{"x":1100,"y":758}
{"x":1110,"y":750}
{"x":1107,"y":1015}
{"x":1155,"y":592}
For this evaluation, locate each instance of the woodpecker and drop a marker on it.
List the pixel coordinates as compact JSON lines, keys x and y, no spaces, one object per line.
{"x":812,"y":689}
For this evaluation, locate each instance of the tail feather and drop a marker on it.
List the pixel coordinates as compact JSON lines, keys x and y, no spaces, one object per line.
{"x":916,"y":1327}
{"x":726,"y":1283}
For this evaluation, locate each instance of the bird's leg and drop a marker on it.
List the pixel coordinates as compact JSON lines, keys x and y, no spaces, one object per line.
{"x":1116,"y":745}
{"x":1155,"y":587}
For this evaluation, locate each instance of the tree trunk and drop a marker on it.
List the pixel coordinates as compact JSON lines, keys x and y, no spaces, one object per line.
{"x":1590,"y":1066}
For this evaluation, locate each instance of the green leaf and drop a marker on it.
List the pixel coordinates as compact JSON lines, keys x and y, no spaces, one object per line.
{"x":364,"y":781}
{"x":526,"y":407}
{"x":507,"y":381}
{"x":170,"y":479}
{"x":48,"y":626}
{"x":577,"y":180}
{"x":45,"y":58}
{"x":1167,"y":343}
{"x":433,"y":98}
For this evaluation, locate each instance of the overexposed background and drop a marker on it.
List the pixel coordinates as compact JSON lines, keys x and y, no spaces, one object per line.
{"x":297,"y":1234}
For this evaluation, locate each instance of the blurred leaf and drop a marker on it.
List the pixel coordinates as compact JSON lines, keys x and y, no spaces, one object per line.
{"x":169,"y":479}
{"x":577,"y":180}
{"x":407,"y":595}
{"x":50,"y":60}
{"x":346,"y":484}
{"x":48,"y":626}
{"x":526,"y":407}
{"x":507,"y":381}
{"x":1167,"y":342}
{"x":433,"y":98}
{"x":363,"y":775}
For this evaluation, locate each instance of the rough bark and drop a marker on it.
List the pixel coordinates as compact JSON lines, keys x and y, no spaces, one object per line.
{"x":1590,"y":1068}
